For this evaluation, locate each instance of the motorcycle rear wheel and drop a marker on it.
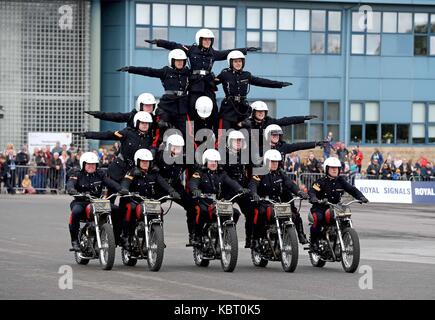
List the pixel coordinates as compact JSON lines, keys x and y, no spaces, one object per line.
{"x":77,"y":255}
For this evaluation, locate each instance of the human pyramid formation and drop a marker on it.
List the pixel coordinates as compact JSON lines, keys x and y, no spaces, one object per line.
{"x":237,"y":149}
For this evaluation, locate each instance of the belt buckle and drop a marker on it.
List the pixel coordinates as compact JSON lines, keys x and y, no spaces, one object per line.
{"x":202,"y":72}
{"x":237,"y":98}
{"x":179,"y":93}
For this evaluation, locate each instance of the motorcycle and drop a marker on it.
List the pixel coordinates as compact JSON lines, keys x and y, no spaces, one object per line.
{"x":219,"y":237}
{"x":281,"y":242}
{"x":96,"y":238}
{"x":147,"y":240}
{"x":338,"y":242}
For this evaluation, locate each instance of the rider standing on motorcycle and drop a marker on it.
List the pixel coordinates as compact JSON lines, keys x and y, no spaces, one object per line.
{"x":210,"y":180}
{"x":86,"y":180}
{"x":201,"y":120}
{"x":174,"y":104}
{"x":236,"y":83}
{"x":330,"y":187}
{"x":240,"y":170}
{"x":276,"y":185}
{"x":145,"y":180}
{"x":201,"y":56}
{"x":172,"y":165}
{"x":145,"y":102}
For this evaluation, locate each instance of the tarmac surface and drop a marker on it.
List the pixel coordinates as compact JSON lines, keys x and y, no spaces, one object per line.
{"x":397,"y":249}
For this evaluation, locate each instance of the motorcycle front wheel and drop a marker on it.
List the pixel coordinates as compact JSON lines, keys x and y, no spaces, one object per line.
{"x":350,"y":254}
{"x":290,"y":250}
{"x":156,"y":248}
{"x":229,"y":252}
{"x":107,"y":250}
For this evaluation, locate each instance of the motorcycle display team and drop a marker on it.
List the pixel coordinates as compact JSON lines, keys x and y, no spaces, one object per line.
{"x":206,"y":159}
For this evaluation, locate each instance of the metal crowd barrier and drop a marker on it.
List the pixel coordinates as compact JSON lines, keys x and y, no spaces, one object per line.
{"x":43,"y":179}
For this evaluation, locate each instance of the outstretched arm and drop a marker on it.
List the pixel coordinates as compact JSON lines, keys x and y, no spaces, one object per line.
{"x":110,"y":116}
{"x":108,"y":135}
{"x":220,"y":55}
{"x":286,"y":121}
{"x":262,"y":82}
{"x":169,"y":45}
{"x":144,"y":71}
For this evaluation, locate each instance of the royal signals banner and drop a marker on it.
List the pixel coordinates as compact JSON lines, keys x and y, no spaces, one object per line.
{"x":385,"y":190}
{"x":423,"y":192}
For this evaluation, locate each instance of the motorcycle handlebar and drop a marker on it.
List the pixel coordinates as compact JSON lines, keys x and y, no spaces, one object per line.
{"x":341,"y":204}
{"x":275,"y":202}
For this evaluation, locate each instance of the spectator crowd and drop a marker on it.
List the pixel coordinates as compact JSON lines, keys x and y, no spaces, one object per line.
{"x":46,"y":170}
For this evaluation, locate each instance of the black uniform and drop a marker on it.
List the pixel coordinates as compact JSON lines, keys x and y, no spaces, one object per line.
{"x":236,"y":84}
{"x":195,"y":124}
{"x":278,"y":187}
{"x":148,"y":184}
{"x":92,"y":183}
{"x":331,"y":189}
{"x":252,"y":124}
{"x":174,"y":104}
{"x":128,"y":118}
{"x":201,"y":63}
{"x":131,"y":141}
{"x":209,"y":182}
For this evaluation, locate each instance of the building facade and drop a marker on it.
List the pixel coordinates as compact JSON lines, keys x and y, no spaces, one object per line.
{"x":367,"y":71}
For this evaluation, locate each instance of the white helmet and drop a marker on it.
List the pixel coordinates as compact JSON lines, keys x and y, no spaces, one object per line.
{"x":272,"y":155}
{"x":210,"y":155}
{"x":235,"y":54}
{"x":272,"y":129}
{"x":142,"y":154}
{"x":204,"y":106}
{"x":142,"y":116}
{"x":331,"y":162}
{"x":88,"y":157}
{"x":176,"y":54}
{"x":259,"y":106}
{"x":175,"y":140}
{"x":236,"y":135}
{"x":204,"y":33}
{"x":145,"y":98}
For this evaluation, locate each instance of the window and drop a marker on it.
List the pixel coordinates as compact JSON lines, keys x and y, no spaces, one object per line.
{"x":153,"y":20}
{"x":423,"y":122}
{"x":178,"y":15}
{"x":286,"y":17}
{"x":151,"y":23}
{"x":325,"y":35}
{"x":364,"y":122}
{"x":194,"y":16}
{"x":405,"y":22}
{"x":389,"y":22}
{"x":366,"y":28}
{"x":424,"y":34}
{"x":328,"y":119}
{"x":261,"y":27}
{"x":302,"y":20}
